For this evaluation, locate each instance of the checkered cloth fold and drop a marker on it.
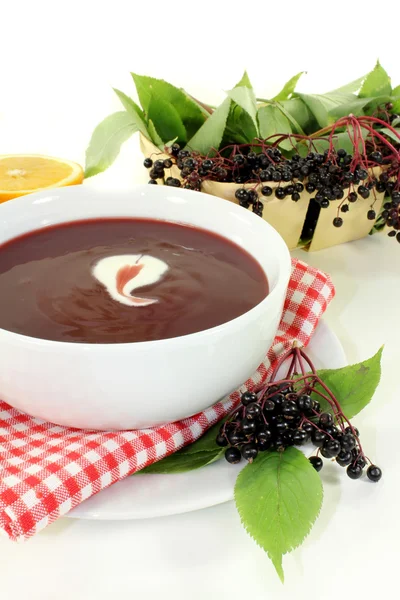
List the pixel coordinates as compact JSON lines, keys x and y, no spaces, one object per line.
{"x":46,"y":470}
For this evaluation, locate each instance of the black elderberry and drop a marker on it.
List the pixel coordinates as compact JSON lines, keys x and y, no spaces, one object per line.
{"x":156,"y":174}
{"x":152,"y":182}
{"x":304,"y":403}
{"x":324,"y":203}
{"x":396,"y":197}
{"x":345,"y":208}
{"x":248,"y":397}
{"x":236,"y":437}
{"x":183,"y":153}
{"x":344,"y":458}
{"x":264,"y":175}
{"x":167,"y":163}
{"x":266,"y":190}
{"x":316,"y":406}
{"x":278,"y":400}
{"x":376,"y":156}
{"x":310,"y":187}
{"x":289,"y":409}
{"x":390,"y":234}
{"x":233,"y":455}
{"x":300,"y":437}
{"x":319,"y":438}
{"x":362,"y":174}
{"x":148,"y":163}
{"x":331,"y":449}
{"x":280,"y":193}
{"x":242,"y":195}
{"x":175,"y":148}
{"x":331,"y":431}
{"x":299,"y":187}
{"x":350,"y":430}
{"x":374,"y":473}
{"x":173,"y":182}
{"x":249,"y":451}
{"x":207,"y":164}
{"x":264,"y":433}
{"x":248,"y":426}
{"x":308,"y":428}
{"x":380,"y":187}
{"x":354,"y":471}
{"x":316,"y":462}
{"x":325,"y":419}
{"x":239,"y":160}
{"x":295,"y":196}
{"x":269,"y":407}
{"x":278,"y":443}
{"x":363,"y":191}
{"x":253,"y":410}
{"x":352,"y":197}
{"x":280,"y":425}
{"x":337,"y":221}
{"x":252,"y":196}
{"x":221,"y":440}
{"x":348,"y":441}
{"x":359,"y":460}
{"x":341,"y":153}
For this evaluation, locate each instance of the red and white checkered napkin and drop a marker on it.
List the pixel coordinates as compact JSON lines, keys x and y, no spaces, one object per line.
{"x":46,"y":470}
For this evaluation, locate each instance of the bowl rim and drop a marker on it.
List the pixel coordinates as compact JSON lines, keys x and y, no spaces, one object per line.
{"x":283,"y":259}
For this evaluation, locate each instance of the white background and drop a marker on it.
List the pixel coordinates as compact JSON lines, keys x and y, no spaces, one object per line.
{"x":59,"y":62}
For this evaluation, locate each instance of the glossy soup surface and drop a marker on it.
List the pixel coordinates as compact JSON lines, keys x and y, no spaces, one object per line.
{"x":124,"y":280}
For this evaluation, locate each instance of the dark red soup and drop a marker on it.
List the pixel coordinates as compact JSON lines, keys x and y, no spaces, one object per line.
{"x":124,"y":280}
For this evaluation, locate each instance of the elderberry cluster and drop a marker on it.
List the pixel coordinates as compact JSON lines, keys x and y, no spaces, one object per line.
{"x":279,"y":418}
{"x":331,"y":176}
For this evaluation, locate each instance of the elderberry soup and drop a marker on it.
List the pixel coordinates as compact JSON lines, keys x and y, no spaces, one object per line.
{"x":124,"y":280}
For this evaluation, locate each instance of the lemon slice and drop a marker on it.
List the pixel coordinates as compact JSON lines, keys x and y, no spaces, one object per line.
{"x":22,"y":174}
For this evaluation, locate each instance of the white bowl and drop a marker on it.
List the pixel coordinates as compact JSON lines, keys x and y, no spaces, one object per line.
{"x":141,"y":384}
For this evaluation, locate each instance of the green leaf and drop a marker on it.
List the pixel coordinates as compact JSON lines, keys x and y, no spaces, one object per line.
{"x":154,"y":135}
{"x":353,"y":86}
{"x":321,"y":105}
{"x":300,"y":112}
{"x":193,"y":456}
{"x":271,"y":121}
{"x":278,"y":498}
{"x":210,"y":134}
{"x":353,"y":386}
{"x":288,"y":88}
{"x":166,"y":120}
{"x":376,"y":83}
{"x":106,"y":142}
{"x":396,"y":91}
{"x":188,"y":110}
{"x":180,"y":462}
{"x":295,"y":125}
{"x":133,"y":109}
{"x":240,"y":127}
{"x":245,"y":81}
{"x":355,"y":107}
{"x":245,"y":98}
{"x":389,"y":133}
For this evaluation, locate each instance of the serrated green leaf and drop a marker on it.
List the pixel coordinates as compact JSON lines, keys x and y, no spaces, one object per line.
{"x":210,"y":134}
{"x":245,"y":98}
{"x":353,"y":86}
{"x":295,"y":125}
{"x":288,"y":88}
{"x":181,"y":462}
{"x":376,"y":83}
{"x":321,"y":105}
{"x":396,"y":91}
{"x":154,"y":135}
{"x":354,"y":385}
{"x":188,"y":110}
{"x":106,"y":142}
{"x":355,"y":107}
{"x":133,"y":109}
{"x":240,"y":128}
{"x":278,"y":498}
{"x":166,"y":120}
{"x":271,"y":120}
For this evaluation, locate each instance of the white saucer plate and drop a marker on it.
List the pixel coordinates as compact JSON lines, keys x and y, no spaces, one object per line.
{"x":147,"y":496}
